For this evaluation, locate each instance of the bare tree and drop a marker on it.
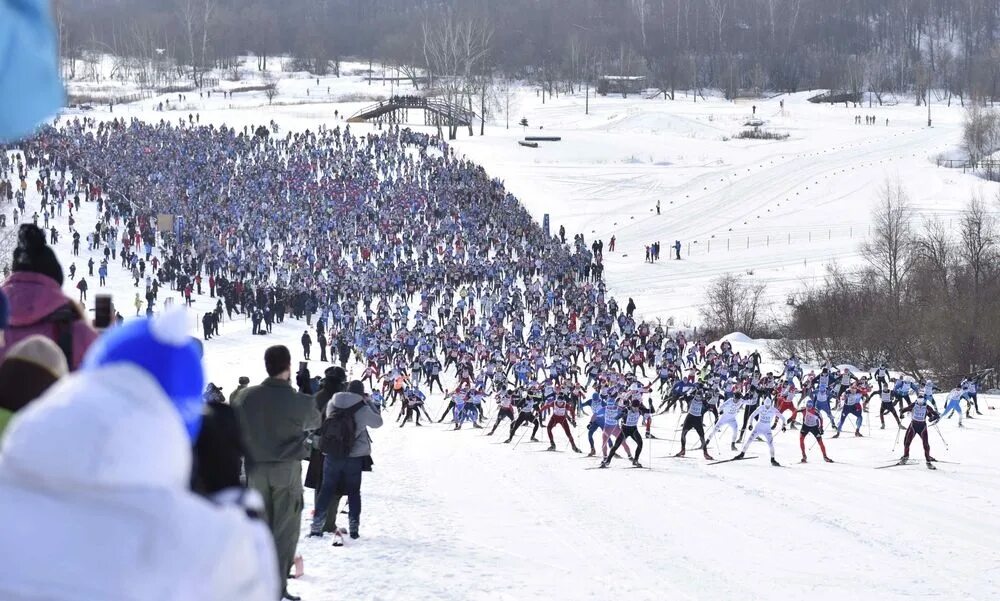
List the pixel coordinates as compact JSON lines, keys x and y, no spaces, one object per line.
{"x":732,"y":304}
{"x":890,"y":250}
{"x":978,"y":242}
{"x":454,"y":49}
{"x":935,"y":252}
{"x":196,"y":19}
{"x":270,"y":88}
{"x":980,"y":132}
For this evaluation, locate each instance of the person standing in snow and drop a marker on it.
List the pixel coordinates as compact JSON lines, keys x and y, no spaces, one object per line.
{"x":347,"y":448}
{"x":276,"y":420}
{"x":306,"y":344}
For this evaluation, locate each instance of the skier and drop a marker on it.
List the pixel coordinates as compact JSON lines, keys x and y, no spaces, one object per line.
{"x":730,"y":407}
{"x":881,"y":376}
{"x":562,"y":408}
{"x":765,"y":414}
{"x":852,"y":406}
{"x":953,"y":404}
{"x":888,"y":406}
{"x":695,"y":421}
{"x":525,"y":415}
{"x":922,"y":416}
{"x":633,"y":415}
{"x":505,"y":411}
{"x":969,"y":387}
{"x":812,"y":423}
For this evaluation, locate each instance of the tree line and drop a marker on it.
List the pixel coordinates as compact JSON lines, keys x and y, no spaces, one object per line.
{"x":926,"y":299}
{"x":883,"y":47}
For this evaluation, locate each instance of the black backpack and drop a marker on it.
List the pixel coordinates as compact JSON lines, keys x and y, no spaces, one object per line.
{"x":339,"y":431}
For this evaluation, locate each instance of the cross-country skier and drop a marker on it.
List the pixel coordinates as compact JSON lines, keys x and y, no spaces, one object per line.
{"x":923,"y":417}
{"x":630,"y":420}
{"x":525,"y":415}
{"x":562,"y":408}
{"x":730,"y":407}
{"x":695,"y":421}
{"x":505,"y":411}
{"x":969,"y":388}
{"x":953,"y":404}
{"x":888,"y":406}
{"x":764,"y":414}
{"x":852,"y":406}
{"x":812,"y":423}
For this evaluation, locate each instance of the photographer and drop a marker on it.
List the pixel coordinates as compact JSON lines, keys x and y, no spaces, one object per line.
{"x":346,"y":444}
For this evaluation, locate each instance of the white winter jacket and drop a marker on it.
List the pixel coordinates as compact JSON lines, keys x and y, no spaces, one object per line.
{"x":94,"y":503}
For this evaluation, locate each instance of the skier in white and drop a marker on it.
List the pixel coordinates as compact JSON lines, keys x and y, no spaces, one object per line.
{"x":765,"y":416}
{"x":730,"y":407}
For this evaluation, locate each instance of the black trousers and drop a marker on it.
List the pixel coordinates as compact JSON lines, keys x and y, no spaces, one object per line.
{"x":888,"y":408}
{"x":523,"y":418}
{"x":627,"y":432}
{"x":696,"y":423}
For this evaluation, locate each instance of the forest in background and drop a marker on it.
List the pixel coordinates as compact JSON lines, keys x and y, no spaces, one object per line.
{"x":741,"y":47}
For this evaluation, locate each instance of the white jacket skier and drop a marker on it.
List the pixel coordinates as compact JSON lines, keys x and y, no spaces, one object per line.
{"x":765,"y":416}
{"x":95,"y":503}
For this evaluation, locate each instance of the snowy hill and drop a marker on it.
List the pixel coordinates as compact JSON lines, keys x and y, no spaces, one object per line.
{"x":457,"y":515}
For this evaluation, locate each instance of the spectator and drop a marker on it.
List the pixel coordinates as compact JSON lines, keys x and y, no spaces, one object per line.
{"x":243,"y":383}
{"x":306,"y":344}
{"x":334,"y":381}
{"x":37,"y":303}
{"x":117,"y":492}
{"x":275,"y":420}
{"x":29,"y":369}
{"x":342,"y":466}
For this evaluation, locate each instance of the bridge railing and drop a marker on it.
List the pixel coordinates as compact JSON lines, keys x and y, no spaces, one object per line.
{"x":456,"y":112}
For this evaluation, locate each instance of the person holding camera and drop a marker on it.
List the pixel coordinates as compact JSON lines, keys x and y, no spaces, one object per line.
{"x":345,"y":442}
{"x":275,"y":421}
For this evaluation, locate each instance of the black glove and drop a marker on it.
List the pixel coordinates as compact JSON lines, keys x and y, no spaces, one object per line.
{"x":218,"y":452}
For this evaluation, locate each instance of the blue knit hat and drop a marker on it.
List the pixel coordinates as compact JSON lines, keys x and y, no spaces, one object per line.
{"x":162,"y":348}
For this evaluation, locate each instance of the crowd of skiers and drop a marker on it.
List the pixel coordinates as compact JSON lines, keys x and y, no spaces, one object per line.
{"x":416,"y":264}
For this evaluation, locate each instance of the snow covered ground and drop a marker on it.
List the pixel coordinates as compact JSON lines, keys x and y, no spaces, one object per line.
{"x":457,"y":515}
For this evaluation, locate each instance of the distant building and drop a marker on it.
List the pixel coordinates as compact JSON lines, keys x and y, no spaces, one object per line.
{"x":620,"y":84}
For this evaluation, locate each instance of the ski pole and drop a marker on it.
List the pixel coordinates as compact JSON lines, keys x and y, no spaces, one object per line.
{"x":942,"y":437}
{"x":898,"y":430}
{"x":519,"y":438}
{"x":487,"y":429}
